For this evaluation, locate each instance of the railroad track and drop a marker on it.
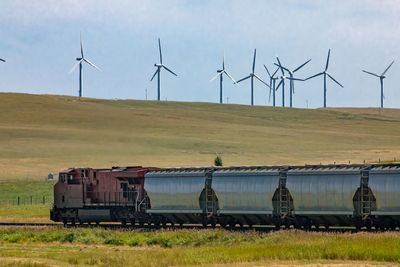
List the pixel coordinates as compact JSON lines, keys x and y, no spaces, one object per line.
{"x":27,"y":224}
{"x":117,"y":226}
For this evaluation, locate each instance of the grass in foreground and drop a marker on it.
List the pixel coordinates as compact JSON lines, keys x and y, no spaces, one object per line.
{"x":83,"y":247}
{"x":47,"y":133}
{"x":25,"y":213}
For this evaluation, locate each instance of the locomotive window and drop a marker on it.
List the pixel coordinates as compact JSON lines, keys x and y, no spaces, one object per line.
{"x":62,"y":178}
{"x":94,"y":175}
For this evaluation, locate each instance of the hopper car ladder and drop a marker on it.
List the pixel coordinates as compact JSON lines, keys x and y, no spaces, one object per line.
{"x":365,"y":195}
{"x":209,"y":197}
{"x":284,"y":198}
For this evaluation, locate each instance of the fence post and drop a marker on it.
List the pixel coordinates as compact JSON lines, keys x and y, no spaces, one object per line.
{"x":31,"y":200}
{"x":18,"y":200}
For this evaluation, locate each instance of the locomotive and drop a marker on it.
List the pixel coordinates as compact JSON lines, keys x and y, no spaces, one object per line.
{"x":358,"y":195}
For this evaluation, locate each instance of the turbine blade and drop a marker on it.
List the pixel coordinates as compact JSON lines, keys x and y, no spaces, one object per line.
{"x":269,"y":74}
{"x":295,"y":79}
{"x":254,"y":60}
{"x":275,"y":73}
{"x":91,"y":64}
{"x":383,"y":73}
{"x":302,"y":65}
{"x":169,"y":70}
{"x":269,"y":97}
{"x":279,"y":84}
{"x":154,"y":75}
{"x":258,"y":78}
{"x":2,"y":60}
{"x":76,"y":65}
{"x":216,"y":76}
{"x":282,"y":67}
{"x":314,"y":76}
{"x":230,"y":77}
{"x":327,"y":60}
{"x":159,"y":49}
{"x":279,"y":65}
{"x":371,"y":73}
{"x":81,"y":46}
{"x":334,"y":80}
{"x":245,"y":78}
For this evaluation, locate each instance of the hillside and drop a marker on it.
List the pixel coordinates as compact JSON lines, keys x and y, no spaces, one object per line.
{"x":43,"y":133}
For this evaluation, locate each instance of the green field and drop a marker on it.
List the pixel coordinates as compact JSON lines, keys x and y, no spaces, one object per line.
{"x":98,"y":247}
{"x":47,"y":133}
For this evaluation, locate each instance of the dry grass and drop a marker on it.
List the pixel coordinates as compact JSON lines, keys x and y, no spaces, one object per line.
{"x":85,"y":247}
{"x":43,"y":133}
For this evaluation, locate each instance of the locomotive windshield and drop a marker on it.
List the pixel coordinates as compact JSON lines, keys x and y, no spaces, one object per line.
{"x":63,"y":177}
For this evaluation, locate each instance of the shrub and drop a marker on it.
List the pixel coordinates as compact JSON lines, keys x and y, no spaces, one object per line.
{"x":218,"y":161}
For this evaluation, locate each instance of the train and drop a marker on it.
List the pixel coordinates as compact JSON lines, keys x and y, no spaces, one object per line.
{"x":304,"y":197}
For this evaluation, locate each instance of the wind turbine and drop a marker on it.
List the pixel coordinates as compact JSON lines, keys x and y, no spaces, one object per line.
{"x":282,"y":82}
{"x":381,"y":77}
{"x":251,"y":76}
{"x":325,"y":73}
{"x":220,"y":74}
{"x":80,"y":61}
{"x":272,"y":83}
{"x":158,"y":71}
{"x":291,"y":78}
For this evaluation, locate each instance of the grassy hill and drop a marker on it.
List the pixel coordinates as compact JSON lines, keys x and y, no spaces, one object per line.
{"x":44,"y":133}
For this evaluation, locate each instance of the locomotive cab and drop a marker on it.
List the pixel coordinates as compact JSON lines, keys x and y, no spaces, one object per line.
{"x":68,"y":191}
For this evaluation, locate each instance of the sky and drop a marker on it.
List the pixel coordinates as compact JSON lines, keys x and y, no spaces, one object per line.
{"x":40,"y":42}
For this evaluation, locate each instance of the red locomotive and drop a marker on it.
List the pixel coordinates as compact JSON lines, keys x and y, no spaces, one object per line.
{"x":100,"y":195}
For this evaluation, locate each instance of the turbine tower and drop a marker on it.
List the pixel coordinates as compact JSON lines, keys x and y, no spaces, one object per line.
{"x":80,"y":61}
{"x":282,"y":82}
{"x":158,"y":71}
{"x":272,"y":84}
{"x":291,"y":78}
{"x":220,"y":74}
{"x":325,"y":73}
{"x":381,"y":77}
{"x":251,"y":76}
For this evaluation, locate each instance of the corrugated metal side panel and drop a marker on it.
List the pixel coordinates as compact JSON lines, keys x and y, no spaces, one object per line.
{"x":174,"y":193}
{"x":385,"y":185}
{"x":245,"y":191}
{"x":318,"y":192}
{"x":190,"y":171}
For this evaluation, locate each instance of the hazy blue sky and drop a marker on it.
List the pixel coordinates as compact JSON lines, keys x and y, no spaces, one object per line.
{"x":40,"y":41}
